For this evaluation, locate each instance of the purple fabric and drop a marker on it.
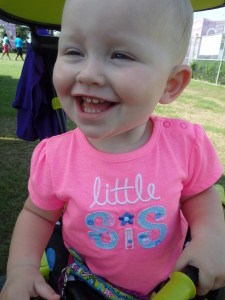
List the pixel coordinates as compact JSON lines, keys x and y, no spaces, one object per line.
{"x":42,"y":31}
{"x":35,"y":117}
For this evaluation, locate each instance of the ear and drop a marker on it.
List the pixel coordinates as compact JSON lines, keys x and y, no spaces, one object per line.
{"x":177,"y":82}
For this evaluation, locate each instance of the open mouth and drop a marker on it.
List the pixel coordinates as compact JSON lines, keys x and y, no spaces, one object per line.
{"x":94,"y":105}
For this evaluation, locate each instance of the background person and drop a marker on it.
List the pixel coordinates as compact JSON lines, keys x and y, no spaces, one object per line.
{"x":6,"y":44}
{"x":19,"y":47}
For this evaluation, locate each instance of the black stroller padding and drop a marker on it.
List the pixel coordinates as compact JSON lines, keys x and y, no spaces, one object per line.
{"x":61,"y":255}
{"x":79,"y":290}
{"x":74,"y":290}
{"x":44,"y":45}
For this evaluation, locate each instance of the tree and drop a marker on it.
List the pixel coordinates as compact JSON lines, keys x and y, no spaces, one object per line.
{"x":2,"y":30}
{"x":24,"y":32}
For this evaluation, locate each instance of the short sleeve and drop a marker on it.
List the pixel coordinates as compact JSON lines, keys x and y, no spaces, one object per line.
{"x":40,"y":181}
{"x":204,"y":166}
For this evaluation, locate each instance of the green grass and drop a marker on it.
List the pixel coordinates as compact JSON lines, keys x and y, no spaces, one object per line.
{"x":9,"y":76}
{"x":15,"y":156}
{"x":201,"y":103}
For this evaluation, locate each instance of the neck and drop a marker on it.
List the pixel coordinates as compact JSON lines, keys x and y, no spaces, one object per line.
{"x":126,"y":141}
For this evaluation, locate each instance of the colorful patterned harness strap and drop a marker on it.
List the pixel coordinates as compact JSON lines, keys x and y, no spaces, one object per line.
{"x":78,"y":269}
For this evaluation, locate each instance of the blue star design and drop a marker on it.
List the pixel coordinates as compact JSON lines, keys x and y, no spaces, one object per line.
{"x":126,"y":218}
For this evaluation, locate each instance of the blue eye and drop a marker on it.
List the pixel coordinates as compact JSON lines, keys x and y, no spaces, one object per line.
{"x":122,"y":55}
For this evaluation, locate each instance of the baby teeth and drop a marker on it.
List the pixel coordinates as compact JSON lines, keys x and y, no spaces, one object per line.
{"x":91,"y":110}
{"x":95,"y":101}
{"x":88,"y":100}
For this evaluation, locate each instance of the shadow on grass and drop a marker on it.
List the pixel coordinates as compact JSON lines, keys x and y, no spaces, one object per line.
{"x":14,"y":172}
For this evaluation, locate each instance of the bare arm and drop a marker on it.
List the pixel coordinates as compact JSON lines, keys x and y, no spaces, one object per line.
{"x":204,"y":213}
{"x":206,"y":250}
{"x":31,"y":235}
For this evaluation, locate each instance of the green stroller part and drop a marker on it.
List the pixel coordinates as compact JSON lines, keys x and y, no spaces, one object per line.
{"x":47,"y":13}
{"x":220,"y":190}
{"x":199,"y":5}
{"x":56,"y":105}
{"x":44,"y":268}
{"x":181,"y":286}
{"x":43,"y":13}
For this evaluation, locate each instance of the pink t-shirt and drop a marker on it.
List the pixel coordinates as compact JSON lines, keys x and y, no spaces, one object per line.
{"x":123,"y":212}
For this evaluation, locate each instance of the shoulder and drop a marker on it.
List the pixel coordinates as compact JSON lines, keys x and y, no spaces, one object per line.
{"x":55,"y":149}
{"x":177,"y":127}
{"x":179,"y":133}
{"x":61,"y":143}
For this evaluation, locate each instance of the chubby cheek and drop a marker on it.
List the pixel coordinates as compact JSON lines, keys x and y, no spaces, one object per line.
{"x":150,"y":90}
{"x":127,"y":89}
{"x":61,"y":80}
{"x":136,"y":86}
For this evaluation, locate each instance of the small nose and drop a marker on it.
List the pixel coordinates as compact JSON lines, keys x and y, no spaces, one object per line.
{"x":91,"y":73}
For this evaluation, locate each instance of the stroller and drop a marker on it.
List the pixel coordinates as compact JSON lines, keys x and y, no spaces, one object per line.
{"x":47,"y":14}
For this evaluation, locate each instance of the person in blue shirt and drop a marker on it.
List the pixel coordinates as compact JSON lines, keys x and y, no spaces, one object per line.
{"x":19,"y":46}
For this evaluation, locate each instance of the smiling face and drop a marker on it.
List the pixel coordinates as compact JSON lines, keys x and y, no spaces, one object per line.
{"x":112,"y":69}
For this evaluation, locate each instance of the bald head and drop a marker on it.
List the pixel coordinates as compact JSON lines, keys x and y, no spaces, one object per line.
{"x":169,"y":21}
{"x":180,"y":17}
